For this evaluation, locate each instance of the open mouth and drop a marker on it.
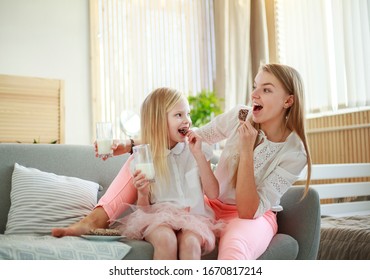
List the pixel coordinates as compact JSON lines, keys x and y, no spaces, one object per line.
{"x":257,"y":107}
{"x":183,"y":131}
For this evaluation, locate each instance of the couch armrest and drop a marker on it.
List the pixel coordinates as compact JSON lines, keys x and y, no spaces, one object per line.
{"x":301,"y":220}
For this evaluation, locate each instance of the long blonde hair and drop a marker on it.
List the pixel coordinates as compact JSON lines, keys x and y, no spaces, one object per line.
{"x":295,"y":117}
{"x":154,"y":128}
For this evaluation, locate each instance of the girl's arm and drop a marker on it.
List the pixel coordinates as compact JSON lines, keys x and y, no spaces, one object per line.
{"x":222,"y":126}
{"x":247,"y":198}
{"x":125,"y":146}
{"x":143,"y":198}
{"x":119,"y":147}
{"x":142,"y":185}
{"x":208,"y":179}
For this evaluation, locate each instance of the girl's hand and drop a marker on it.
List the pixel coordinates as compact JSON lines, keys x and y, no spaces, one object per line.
{"x":195,"y":142}
{"x":120,"y":148}
{"x":141,"y":183}
{"x":247,"y":136}
{"x":117,"y":147}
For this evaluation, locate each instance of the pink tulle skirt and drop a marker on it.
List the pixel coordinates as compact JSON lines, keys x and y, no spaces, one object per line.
{"x":145,"y":219}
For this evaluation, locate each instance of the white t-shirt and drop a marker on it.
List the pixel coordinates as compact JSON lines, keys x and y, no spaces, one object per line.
{"x":184,"y":188}
{"x":276,"y":165}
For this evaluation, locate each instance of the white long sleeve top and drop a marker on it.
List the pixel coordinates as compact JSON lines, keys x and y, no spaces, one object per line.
{"x":276,"y":165}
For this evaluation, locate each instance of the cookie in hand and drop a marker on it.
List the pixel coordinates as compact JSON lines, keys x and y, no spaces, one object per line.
{"x":243,"y":113}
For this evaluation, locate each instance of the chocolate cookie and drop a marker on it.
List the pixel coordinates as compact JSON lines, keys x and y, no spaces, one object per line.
{"x":243,"y":113}
{"x":105,"y":232}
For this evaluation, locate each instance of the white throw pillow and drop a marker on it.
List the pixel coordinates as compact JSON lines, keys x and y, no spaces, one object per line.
{"x":41,"y":201}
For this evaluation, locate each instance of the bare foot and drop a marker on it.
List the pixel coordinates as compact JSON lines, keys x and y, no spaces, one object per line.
{"x":77,"y":229}
{"x":98,"y":218}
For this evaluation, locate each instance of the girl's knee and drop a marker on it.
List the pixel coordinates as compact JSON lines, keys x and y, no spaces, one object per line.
{"x":163,"y":238}
{"x":189,"y":245}
{"x":190,"y":240}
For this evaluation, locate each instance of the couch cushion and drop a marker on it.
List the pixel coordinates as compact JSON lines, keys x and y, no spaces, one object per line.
{"x":30,"y":247}
{"x":42,"y":200}
{"x":140,"y":250}
{"x":282,"y":247}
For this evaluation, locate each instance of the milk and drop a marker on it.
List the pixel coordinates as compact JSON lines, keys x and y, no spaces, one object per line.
{"x":105,"y":146}
{"x":147,"y":169}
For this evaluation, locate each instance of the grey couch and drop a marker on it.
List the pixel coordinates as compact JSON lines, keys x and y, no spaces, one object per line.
{"x":299,"y":223}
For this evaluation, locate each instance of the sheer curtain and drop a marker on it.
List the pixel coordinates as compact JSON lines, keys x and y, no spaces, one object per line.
{"x":328,"y":42}
{"x":241,"y":45}
{"x":139,"y":45}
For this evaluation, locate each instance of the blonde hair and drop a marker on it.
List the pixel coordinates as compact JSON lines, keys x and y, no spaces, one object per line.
{"x":295,"y":117}
{"x":154,"y":128}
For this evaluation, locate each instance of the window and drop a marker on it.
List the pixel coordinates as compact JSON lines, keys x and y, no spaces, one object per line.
{"x":327,"y":41}
{"x":140,"y":45}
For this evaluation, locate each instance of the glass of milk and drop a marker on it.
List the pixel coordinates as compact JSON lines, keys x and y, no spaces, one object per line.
{"x":104,"y":139}
{"x":143,"y":160}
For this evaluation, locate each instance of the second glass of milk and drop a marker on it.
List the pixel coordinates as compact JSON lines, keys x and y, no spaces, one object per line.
{"x":144,"y":161}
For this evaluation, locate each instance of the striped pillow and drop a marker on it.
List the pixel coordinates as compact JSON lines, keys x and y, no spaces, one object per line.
{"x":41,"y":201}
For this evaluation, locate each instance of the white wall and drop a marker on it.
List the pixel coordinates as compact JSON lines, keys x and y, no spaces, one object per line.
{"x":50,"y":39}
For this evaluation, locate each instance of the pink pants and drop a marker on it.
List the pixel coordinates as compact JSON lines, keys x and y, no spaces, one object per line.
{"x":120,"y":193}
{"x":242,"y":239}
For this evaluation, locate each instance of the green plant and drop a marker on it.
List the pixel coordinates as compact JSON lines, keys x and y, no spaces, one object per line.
{"x":204,"y":106}
{"x":38,"y":141}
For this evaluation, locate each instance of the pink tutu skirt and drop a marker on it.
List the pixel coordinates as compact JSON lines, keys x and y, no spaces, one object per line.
{"x":145,"y":219}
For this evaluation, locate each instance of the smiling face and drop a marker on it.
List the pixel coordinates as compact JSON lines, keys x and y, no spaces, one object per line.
{"x":270,"y":100}
{"x":178,"y":121}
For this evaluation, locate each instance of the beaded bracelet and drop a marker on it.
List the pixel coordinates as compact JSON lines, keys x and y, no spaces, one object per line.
{"x":132,"y":145}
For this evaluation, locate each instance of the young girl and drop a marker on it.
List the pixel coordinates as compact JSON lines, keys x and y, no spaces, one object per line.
{"x":171,"y":213}
{"x":262,"y":158}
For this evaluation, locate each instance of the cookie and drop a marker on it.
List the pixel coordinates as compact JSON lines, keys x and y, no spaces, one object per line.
{"x":243,"y":113}
{"x":105,"y":232}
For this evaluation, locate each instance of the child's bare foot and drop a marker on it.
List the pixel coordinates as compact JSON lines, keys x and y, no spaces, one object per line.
{"x":98,"y":218}
{"x":77,"y":229}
